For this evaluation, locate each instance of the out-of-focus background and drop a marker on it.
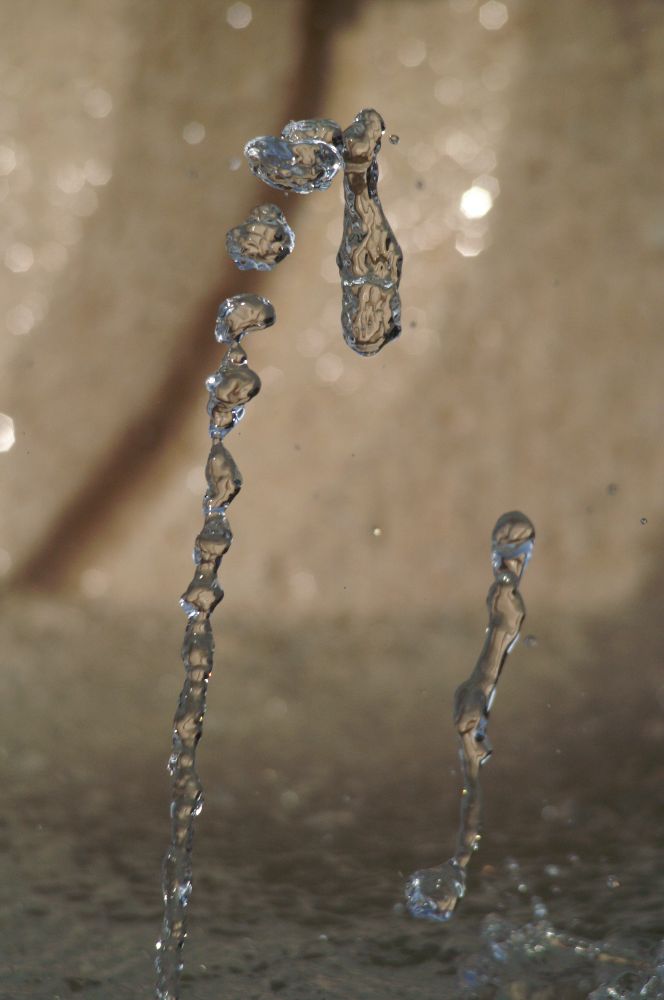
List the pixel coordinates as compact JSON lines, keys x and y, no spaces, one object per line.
{"x":526,"y":192}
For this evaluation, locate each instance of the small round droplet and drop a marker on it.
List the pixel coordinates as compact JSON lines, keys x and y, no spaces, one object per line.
{"x":530,"y":641}
{"x":376,"y":532}
{"x":612,"y":882}
{"x":394,"y":139}
{"x":644,"y":520}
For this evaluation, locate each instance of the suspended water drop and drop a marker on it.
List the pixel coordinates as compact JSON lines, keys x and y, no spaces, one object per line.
{"x":301,"y":166}
{"x":240,"y":315}
{"x":261,"y":241}
{"x":369,"y":258}
{"x":394,"y":139}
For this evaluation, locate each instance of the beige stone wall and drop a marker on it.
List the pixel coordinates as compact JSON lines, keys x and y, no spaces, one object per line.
{"x":530,"y":369}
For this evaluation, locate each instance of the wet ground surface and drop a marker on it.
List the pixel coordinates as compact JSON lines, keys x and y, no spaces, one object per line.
{"x":328,"y":764}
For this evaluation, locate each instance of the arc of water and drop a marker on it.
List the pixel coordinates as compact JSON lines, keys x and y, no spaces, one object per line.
{"x":433,"y":893}
{"x":230,"y":388}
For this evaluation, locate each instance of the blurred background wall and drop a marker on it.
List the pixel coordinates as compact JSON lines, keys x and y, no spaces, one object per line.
{"x":529,"y":372}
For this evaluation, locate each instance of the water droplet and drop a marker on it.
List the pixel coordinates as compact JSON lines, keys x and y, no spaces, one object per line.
{"x":261,"y":241}
{"x":242,"y":314}
{"x":394,"y":139}
{"x":612,"y":882}
{"x":433,"y":893}
{"x":376,"y":532}
{"x":530,"y":641}
{"x":369,"y":257}
{"x":300,"y":166}
{"x":644,"y":520}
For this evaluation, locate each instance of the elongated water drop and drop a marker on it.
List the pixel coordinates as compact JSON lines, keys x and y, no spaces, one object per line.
{"x":369,"y":257}
{"x":433,"y":893}
{"x":262,"y":240}
{"x":240,"y":315}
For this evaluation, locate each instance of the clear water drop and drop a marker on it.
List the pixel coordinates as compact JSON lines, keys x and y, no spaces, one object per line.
{"x":262,"y":241}
{"x":369,"y":257}
{"x":242,"y":314}
{"x":301,"y":166}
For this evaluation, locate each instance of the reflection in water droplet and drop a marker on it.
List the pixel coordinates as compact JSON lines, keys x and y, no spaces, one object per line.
{"x":394,"y":139}
{"x":261,"y":241}
{"x":7,"y":432}
{"x":644,"y":520}
{"x":433,"y":893}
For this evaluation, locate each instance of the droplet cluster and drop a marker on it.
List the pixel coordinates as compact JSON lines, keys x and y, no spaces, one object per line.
{"x":230,"y":388}
{"x":306,"y":157}
{"x":433,"y":893}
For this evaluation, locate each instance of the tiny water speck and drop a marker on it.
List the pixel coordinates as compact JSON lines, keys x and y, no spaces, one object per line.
{"x":644,"y":520}
{"x":530,"y":641}
{"x":612,"y":882}
{"x":394,"y":139}
{"x":376,"y":532}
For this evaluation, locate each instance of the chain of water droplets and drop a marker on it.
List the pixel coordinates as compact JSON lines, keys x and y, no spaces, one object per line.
{"x":230,"y":388}
{"x":305,"y":158}
{"x":433,"y":893}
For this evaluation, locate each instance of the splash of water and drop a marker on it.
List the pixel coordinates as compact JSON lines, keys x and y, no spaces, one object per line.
{"x":369,"y":257}
{"x":298,"y":165}
{"x":230,"y":388}
{"x":262,"y":241}
{"x":433,"y":893}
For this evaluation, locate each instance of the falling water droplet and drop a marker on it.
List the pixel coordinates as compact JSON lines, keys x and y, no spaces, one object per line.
{"x":369,"y":258}
{"x":240,"y":315}
{"x":261,"y":241}
{"x":394,"y":139}
{"x":433,"y":893}
{"x":301,"y":166}
{"x":644,"y":520}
